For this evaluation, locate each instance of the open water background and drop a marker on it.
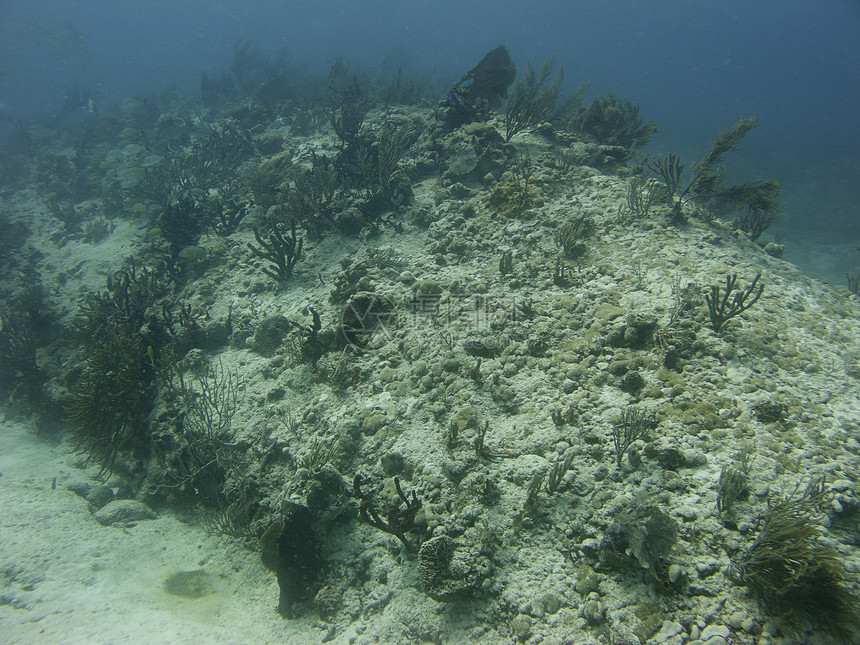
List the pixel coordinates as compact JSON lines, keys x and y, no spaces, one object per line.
{"x":693,"y":66}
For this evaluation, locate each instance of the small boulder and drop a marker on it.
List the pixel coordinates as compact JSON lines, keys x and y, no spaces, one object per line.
{"x":99,"y":495}
{"x":123,"y":512}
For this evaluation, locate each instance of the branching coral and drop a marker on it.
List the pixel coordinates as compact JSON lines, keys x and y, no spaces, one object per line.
{"x":349,"y":103}
{"x":398,"y":520}
{"x":378,"y":162}
{"x":719,"y":307}
{"x":571,"y":235}
{"x":280,"y":248}
{"x":533,"y":99}
{"x":706,"y":184}
{"x":634,"y":424}
{"x":121,"y":329}
{"x":130,"y":301}
{"x":211,"y":404}
{"x":18,"y":355}
{"x":733,"y":484}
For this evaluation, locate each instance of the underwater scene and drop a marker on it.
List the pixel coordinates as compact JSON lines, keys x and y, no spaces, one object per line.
{"x":430,"y":322}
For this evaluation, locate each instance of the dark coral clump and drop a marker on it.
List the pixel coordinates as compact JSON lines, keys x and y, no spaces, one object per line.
{"x":642,"y":536}
{"x":611,"y":121}
{"x":122,"y":333}
{"x":18,"y":354}
{"x":289,"y":548}
{"x":771,"y":412}
{"x":110,"y":401}
{"x":484,"y":86}
{"x":449,"y":570}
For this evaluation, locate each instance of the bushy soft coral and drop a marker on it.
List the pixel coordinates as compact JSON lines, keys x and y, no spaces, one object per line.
{"x":794,"y":575}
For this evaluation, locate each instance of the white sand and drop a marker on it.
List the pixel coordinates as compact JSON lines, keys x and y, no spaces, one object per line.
{"x":65,"y":578}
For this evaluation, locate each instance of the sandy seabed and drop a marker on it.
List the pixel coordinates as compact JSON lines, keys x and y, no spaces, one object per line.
{"x":65,"y":578}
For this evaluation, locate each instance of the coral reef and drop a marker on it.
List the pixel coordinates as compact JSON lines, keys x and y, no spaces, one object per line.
{"x":460,"y":342}
{"x":450,"y":571}
{"x":642,"y":535}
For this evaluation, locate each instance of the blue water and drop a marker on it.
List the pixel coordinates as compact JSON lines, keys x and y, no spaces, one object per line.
{"x":693,"y":66}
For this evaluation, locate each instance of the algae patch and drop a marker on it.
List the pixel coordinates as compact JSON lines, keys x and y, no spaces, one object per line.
{"x":191,"y":584}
